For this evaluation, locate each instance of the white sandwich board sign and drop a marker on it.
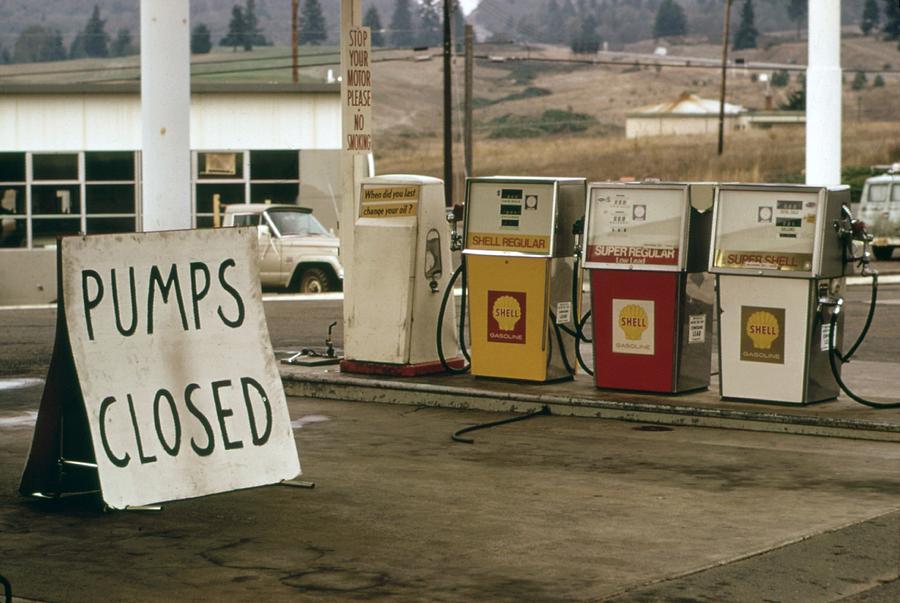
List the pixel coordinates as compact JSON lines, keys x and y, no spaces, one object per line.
{"x":162,"y":372}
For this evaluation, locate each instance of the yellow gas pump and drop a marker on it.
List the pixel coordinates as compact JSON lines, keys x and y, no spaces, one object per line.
{"x":519,"y":253}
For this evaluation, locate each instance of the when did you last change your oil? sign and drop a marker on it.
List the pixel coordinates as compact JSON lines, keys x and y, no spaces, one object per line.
{"x":162,"y":372}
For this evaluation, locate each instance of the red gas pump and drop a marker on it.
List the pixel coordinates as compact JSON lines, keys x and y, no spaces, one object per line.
{"x":646,"y":248}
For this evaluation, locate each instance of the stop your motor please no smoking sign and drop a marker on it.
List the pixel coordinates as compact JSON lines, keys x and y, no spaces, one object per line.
{"x":162,"y":372}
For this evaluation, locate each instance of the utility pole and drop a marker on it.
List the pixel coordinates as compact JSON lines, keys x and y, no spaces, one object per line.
{"x":295,"y":68}
{"x":725,"y":28}
{"x":448,"y":123}
{"x":467,"y":106}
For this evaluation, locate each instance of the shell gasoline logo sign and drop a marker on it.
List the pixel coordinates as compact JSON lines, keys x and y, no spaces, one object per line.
{"x":632,"y":328}
{"x":506,"y":316}
{"x":762,"y":334}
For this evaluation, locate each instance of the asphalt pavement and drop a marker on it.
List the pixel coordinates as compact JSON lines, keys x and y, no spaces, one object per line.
{"x":548,"y":509}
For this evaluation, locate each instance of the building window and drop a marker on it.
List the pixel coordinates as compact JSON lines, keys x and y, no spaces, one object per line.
{"x":231,"y":177}
{"x":13,"y":201}
{"x":110,"y":192}
{"x":55,"y":166}
{"x":47,"y":195}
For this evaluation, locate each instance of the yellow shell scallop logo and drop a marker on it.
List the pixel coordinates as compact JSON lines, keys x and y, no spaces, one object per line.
{"x":507,"y":312}
{"x":762,"y":329}
{"x":633,"y":321}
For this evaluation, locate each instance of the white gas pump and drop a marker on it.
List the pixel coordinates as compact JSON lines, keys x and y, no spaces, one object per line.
{"x":776,"y":251}
{"x":400,"y":267}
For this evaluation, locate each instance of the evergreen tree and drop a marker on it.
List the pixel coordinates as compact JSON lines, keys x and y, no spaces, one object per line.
{"x":402,"y":33}
{"x":253,"y":36}
{"x":870,"y":17}
{"x":430,"y":23}
{"x":458,"y":26}
{"x":780,"y":79}
{"x":312,"y":24}
{"x":747,"y":33}
{"x":554,"y":24}
{"x":891,"y":20}
{"x":96,"y":40}
{"x":200,"y":39}
{"x":670,"y":20}
{"x":587,"y":40}
{"x":796,"y":10}
{"x":373,"y":22}
{"x":879,"y":81}
{"x":122,"y":45}
{"x":55,"y":49}
{"x":237,"y":29}
{"x":796,"y":101}
{"x":859,"y":80}
{"x":36,"y":44}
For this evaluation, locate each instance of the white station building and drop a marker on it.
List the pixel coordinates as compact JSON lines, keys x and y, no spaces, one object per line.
{"x":70,"y":163}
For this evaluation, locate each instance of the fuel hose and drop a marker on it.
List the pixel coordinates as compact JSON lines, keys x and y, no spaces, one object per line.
{"x":559,"y":342}
{"x":578,"y":333}
{"x":835,"y":356}
{"x":457,"y":435}
{"x":448,"y":292}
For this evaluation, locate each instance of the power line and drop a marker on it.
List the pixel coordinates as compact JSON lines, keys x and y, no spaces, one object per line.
{"x":625,"y":63}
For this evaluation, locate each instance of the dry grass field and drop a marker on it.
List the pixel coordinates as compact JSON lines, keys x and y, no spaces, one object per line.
{"x":750,"y":156}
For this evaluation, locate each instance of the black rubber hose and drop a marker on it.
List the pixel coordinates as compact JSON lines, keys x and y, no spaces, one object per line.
{"x":865,"y":330}
{"x":562,"y":348}
{"x":579,"y":324}
{"x":462,"y":310}
{"x":833,"y":357}
{"x":448,"y":292}
{"x":7,"y":589}
{"x":584,"y":319}
{"x":579,"y":337}
{"x":457,"y":435}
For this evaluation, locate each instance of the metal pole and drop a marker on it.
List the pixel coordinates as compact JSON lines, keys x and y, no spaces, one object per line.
{"x":467,"y":107}
{"x":823,"y":94}
{"x":448,"y":124}
{"x":165,"y":115}
{"x":725,"y":30}
{"x":295,"y":70}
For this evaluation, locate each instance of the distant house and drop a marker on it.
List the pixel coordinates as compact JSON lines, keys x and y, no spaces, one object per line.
{"x":688,"y":114}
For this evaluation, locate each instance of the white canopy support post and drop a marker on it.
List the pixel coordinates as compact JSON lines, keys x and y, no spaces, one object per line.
{"x":823,"y":94}
{"x":165,"y":115}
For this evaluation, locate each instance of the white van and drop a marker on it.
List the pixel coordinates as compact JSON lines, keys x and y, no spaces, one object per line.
{"x":879,"y":208}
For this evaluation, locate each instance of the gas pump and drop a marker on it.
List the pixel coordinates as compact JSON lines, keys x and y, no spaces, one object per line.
{"x":519,"y":255}
{"x":401,"y":265}
{"x":651,"y":297}
{"x":776,"y":251}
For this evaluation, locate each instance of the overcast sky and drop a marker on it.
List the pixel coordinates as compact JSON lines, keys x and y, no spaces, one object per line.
{"x":468,"y":5}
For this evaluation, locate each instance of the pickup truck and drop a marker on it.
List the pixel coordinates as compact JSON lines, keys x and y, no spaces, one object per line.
{"x":295,"y":250}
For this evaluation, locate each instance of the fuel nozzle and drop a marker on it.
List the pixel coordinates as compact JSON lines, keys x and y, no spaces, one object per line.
{"x":454,"y":216}
{"x":578,"y":231}
{"x":855,"y":234}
